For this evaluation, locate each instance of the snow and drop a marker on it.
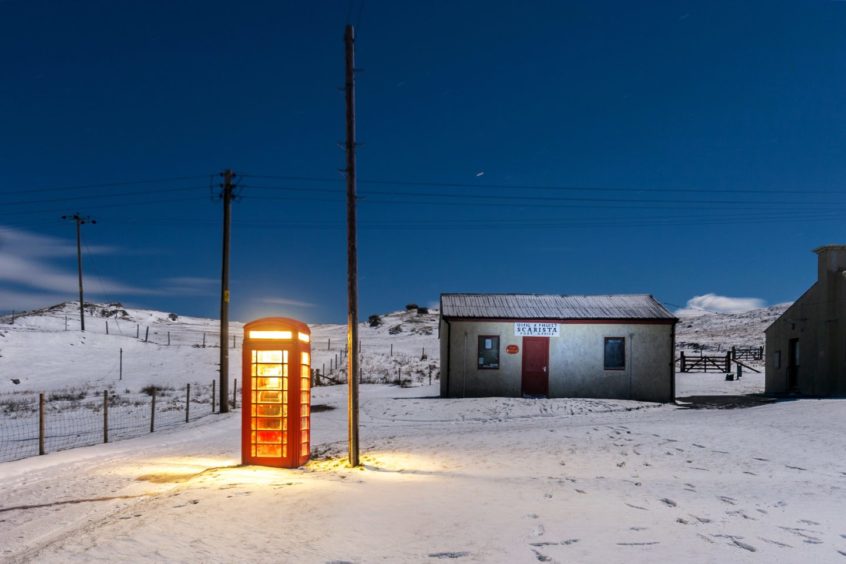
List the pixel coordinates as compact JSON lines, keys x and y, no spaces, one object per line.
{"x":465,"y":480}
{"x":476,"y":480}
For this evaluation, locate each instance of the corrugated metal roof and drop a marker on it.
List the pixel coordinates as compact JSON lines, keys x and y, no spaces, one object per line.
{"x":550,"y":306}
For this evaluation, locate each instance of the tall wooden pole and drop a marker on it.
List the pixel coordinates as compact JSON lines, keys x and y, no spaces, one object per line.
{"x":79,"y":272}
{"x":79,"y":220}
{"x":224,"y":292}
{"x":352,"y":260}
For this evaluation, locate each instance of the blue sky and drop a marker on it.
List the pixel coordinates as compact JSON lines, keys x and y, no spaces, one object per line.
{"x":674,"y":148}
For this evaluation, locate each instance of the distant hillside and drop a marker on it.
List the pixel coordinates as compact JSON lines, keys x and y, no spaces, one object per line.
{"x":162,"y":348}
{"x":721,"y":331}
{"x":43,"y":350}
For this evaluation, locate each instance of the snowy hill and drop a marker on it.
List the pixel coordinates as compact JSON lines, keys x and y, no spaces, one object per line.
{"x":720,"y":331}
{"x":44,"y":350}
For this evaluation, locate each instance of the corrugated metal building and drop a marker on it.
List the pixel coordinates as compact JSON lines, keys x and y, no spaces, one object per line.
{"x":617,"y":346}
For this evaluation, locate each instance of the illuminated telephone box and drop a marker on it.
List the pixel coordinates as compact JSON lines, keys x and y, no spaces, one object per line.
{"x":276,"y":391}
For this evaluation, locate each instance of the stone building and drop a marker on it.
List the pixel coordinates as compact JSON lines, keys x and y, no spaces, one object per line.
{"x":613,"y":346}
{"x":806,"y":346}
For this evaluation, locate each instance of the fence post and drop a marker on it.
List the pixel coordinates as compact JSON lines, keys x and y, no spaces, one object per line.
{"x":213,"y":395}
{"x":41,"y":423}
{"x":66,"y":323}
{"x":734,"y":352}
{"x":153,"y":411}
{"x":323,"y":368}
{"x":105,"y":416}
{"x":137,"y":330}
{"x":107,"y":327}
{"x":234,"y":346}
{"x":147,"y":334}
{"x":430,"y":374}
{"x":329,"y":344}
{"x":392,"y":349}
{"x":168,"y":338}
{"x":187,"y":401}
{"x":120,"y":377}
{"x":204,"y":340}
{"x":235,"y":394}
{"x":728,"y":362}
{"x":681,"y":362}
{"x":399,"y":377}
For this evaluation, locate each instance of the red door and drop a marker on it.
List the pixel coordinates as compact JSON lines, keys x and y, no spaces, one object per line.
{"x":535,"y":366}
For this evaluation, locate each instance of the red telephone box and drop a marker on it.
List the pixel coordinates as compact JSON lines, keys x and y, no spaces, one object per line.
{"x":276,"y":404}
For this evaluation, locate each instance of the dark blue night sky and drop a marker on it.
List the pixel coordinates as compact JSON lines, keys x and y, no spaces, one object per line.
{"x":672,"y":148}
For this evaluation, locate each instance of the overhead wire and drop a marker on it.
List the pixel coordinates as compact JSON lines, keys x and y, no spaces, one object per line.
{"x":109,"y":184}
{"x":97,"y":196}
{"x":398,"y":182}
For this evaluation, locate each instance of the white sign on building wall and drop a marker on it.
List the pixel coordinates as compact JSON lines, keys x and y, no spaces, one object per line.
{"x":522,"y":329}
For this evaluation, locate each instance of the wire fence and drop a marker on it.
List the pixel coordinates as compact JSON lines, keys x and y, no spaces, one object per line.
{"x":33,"y":424}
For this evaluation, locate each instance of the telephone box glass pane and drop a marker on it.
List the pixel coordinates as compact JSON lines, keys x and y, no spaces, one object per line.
{"x":270,"y":424}
{"x":268,"y":451}
{"x":269,"y":397}
{"x":268,"y":356}
{"x":269,"y":428}
{"x":268,"y":370}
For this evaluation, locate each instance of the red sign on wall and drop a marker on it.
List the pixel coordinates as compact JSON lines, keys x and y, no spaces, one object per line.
{"x":512,"y":349}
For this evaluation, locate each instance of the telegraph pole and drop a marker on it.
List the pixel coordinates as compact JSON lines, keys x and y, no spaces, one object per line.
{"x":80,"y":220}
{"x":352,"y":260}
{"x":226,"y":196}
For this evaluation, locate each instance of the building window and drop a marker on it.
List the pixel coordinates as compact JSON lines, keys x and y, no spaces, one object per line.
{"x":777,"y":359}
{"x":615,"y":353}
{"x":488,"y":352}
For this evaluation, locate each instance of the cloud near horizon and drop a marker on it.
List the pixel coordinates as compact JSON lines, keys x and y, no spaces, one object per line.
{"x":713,"y":303}
{"x":30,"y":279}
{"x":191,"y":286}
{"x":287,"y":302}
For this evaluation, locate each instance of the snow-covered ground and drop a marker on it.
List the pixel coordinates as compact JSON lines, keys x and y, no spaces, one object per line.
{"x":475,"y":480}
{"x":724,"y":476}
{"x":42,"y":351}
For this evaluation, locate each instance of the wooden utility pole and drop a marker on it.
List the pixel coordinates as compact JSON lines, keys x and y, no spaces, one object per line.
{"x":79,"y":221}
{"x":227,"y":175}
{"x":352,"y":260}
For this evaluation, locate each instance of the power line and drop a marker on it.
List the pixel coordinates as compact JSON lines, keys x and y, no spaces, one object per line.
{"x":562,"y":188}
{"x":97,"y":196}
{"x":109,"y":184}
{"x":384,"y":197}
{"x":103,"y":206}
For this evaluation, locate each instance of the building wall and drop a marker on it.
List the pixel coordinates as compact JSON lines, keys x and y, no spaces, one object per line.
{"x":818,"y":320}
{"x":798,"y":322}
{"x":576,"y":361}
